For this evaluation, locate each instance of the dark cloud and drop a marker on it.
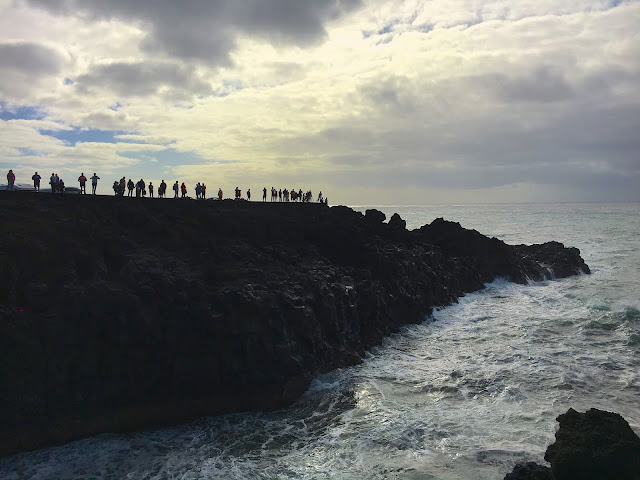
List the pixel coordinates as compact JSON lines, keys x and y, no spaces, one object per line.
{"x":206,"y":30}
{"x":142,"y":79}
{"x":541,"y":84}
{"x":453,"y":134}
{"x":29,"y":58}
{"x":25,"y":66}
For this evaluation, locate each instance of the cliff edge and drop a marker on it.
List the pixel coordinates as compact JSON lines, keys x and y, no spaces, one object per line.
{"x":118,"y":314}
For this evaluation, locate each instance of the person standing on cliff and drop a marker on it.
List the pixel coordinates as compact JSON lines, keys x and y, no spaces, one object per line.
{"x":264,"y":194}
{"x":203,"y":191}
{"x":11,"y":179}
{"x":176,"y":187}
{"x":183,"y":189}
{"x":94,"y":183}
{"x":248,"y":194}
{"x":130,"y":187}
{"x":83,"y":181}
{"x":36,"y":181}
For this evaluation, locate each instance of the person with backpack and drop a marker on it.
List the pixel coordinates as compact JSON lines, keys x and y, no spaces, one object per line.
{"x":94,"y":183}
{"x":11,"y":179}
{"x":82,"y":180}
{"x":36,"y":181}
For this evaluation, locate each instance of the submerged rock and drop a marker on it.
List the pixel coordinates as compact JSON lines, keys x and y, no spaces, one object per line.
{"x":118,"y":314}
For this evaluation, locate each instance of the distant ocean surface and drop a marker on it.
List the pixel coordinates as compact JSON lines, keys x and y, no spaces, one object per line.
{"x":465,"y":395}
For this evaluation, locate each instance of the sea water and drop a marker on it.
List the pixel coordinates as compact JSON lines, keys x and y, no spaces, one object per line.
{"x":465,"y":395}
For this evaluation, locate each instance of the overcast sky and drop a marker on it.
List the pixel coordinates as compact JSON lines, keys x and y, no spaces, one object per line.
{"x":372,"y":102}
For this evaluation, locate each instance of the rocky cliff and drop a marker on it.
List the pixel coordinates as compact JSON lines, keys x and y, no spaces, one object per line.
{"x":118,"y":314}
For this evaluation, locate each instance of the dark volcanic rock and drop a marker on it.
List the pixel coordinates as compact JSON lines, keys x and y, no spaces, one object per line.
{"x":594,"y":445}
{"x":530,"y":471}
{"x":397,"y":223}
{"x":374,"y":216}
{"x":118,"y":314}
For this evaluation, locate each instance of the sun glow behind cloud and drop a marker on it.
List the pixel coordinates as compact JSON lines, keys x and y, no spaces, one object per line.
{"x":402,"y":101}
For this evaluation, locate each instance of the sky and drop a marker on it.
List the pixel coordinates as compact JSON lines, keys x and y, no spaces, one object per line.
{"x":371,"y":102}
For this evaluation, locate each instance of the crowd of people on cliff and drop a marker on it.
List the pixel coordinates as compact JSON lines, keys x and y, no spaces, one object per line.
{"x":141,"y":189}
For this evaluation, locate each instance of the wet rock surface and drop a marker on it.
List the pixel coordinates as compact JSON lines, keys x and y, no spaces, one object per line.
{"x":119,"y":314}
{"x":595,"y":445}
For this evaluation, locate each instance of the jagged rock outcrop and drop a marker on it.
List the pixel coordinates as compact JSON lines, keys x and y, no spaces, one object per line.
{"x":118,"y":314}
{"x":595,"y":445}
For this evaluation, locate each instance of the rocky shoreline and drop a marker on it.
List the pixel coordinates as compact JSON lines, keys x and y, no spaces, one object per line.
{"x":119,"y":314}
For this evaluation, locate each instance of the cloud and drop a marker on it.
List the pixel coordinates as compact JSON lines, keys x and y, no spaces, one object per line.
{"x":143,"y":78}
{"x":25,"y":67}
{"x":494,"y":97}
{"x":206,"y":30}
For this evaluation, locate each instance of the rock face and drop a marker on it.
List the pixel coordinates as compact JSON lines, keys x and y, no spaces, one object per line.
{"x":119,"y":314}
{"x":530,"y":471}
{"x":595,"y":445}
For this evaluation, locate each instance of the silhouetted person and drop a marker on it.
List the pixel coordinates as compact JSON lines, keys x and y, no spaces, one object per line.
{"x":130,"y":187}
{"x":183,"y":189}
{"x":83,"y":181}
{"x":150,"y":190}
{"x":249,"y":194}
{"x":94,"y":183}
{"x":264,"y":194}
{"x":203,"y":191}
{"x":176,"y":187}
{"x":11,"y":179}
{"x":36,"y":182}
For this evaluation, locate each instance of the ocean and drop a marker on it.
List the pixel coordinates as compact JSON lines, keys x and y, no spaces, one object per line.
{"x":465,"y":395}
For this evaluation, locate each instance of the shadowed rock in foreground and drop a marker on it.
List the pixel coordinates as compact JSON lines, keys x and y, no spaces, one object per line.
{"x":595,"y":445}
{"x":119,"y":314}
